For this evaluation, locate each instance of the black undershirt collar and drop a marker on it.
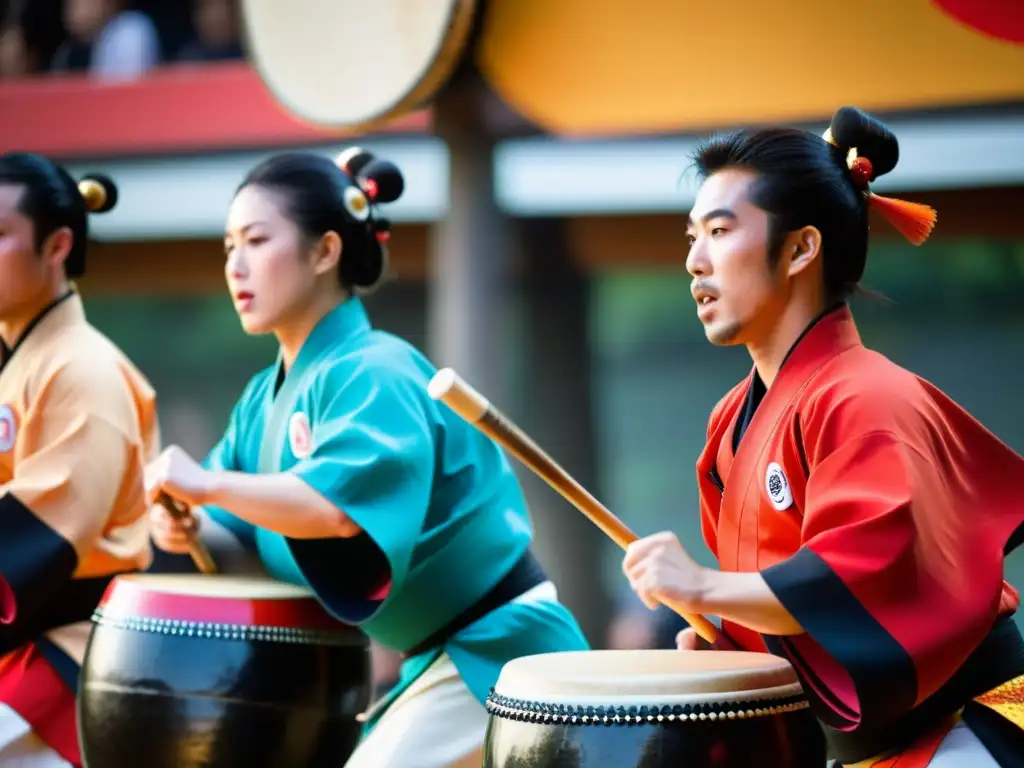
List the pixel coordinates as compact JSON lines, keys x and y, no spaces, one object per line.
{"x":757,"y":389}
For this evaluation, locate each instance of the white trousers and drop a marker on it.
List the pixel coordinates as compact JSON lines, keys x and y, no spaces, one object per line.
{"x":960,"y":749}
{"x":435,"y":723}
{"x":20,"y":747}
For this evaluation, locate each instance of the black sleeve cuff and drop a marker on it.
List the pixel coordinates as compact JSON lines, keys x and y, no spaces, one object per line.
{"x":882,"y":671}
{"x":35,"y":561}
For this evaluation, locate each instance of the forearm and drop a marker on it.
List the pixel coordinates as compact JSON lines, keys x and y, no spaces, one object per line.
{"x":279,"y":502}
{"x":745,"y":598}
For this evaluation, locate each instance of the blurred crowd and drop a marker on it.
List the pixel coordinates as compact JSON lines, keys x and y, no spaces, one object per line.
{"x":114,"y":40}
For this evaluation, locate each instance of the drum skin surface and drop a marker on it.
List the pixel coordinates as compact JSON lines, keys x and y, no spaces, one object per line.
{"x":183,"y":674}
{"x":353,"y":64}
{"x":697,"y":718}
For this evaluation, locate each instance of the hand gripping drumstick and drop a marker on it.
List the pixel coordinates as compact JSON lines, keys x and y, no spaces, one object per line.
{"x":448,"y":387}
{"x":198,"y":551}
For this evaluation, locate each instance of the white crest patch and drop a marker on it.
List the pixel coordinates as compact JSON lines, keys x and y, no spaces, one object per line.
{"x":300,"y":436}
{"x":777,"y":485}
{"x":8,"y":428}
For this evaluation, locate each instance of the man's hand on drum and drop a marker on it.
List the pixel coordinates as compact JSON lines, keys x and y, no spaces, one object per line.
{"x":660,"y":570}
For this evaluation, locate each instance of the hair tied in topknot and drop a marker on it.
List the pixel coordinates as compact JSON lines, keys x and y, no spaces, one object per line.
{"x":852,"y":128}
{"x":99,"y":193}
{"x":871,"y":151}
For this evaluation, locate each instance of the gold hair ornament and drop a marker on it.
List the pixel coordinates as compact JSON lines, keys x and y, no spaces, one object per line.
{"x":94,"y":194}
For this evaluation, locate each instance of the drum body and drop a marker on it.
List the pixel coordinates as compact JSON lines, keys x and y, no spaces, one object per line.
{"x":651,"y":709}
{"x":183,"y":671}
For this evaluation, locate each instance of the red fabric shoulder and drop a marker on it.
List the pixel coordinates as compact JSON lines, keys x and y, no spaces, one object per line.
{"x":861,"y":392}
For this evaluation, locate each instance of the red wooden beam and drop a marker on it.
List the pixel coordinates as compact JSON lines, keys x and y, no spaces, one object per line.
{"x":178,"y":109}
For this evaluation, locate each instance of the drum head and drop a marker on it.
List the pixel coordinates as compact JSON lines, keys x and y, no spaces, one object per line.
{"x":352,"y":63}
{"x":214,"y":586}
{"x":649,"y":677}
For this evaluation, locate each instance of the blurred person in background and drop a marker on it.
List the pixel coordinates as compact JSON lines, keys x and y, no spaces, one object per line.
{"x":15,"y":57}
{"x":635,"y":627}
{"x":631,"y":628}
{"x":859,"y":516}
{"x":29,"y":34}
{"x":77,"y":426}
{"x":349,"y":479}
{"x":216,"y":37}
{"x":106,"y":39}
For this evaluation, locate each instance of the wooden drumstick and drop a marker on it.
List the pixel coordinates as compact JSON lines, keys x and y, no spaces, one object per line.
{"x":196,"y":548}
{"x":448,"y":387}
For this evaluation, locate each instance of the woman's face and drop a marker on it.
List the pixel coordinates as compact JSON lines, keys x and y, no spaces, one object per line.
{"x":270,"y":268}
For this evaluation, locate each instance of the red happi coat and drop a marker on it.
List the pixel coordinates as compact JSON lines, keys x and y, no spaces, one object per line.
{"x":878,"y":511}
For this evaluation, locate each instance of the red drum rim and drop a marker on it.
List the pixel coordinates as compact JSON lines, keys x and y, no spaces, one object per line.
{"x":231,"y":608}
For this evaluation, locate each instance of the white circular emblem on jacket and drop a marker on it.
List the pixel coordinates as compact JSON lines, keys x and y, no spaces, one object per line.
{"x":8,"y":428}
{"x":300,"y":436}
{"x":779,"y":492}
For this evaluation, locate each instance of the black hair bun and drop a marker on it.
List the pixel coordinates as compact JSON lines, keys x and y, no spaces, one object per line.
{"x":99,"y":192}
{"x":353,"y":160}
{"x":852,"y":127}
{"x":382,"y":181}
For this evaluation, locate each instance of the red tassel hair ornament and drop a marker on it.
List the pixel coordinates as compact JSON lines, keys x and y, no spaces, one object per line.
{"x":915,"y":221}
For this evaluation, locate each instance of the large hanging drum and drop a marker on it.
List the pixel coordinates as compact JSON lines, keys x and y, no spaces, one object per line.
{"x":651,"y":709}
{"x":352,"y":63}
{"x":183,"y":671}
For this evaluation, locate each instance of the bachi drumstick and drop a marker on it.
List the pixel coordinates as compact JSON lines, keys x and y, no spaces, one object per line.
{"x":448,"y":387}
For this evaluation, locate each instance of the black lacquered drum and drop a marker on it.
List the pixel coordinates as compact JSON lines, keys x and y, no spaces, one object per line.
{"x":651,"y":709}
{"x":183,"y":671}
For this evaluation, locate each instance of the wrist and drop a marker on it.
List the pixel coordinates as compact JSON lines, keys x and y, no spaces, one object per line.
{"x":213,"y":488}
{"x":705,"y":587}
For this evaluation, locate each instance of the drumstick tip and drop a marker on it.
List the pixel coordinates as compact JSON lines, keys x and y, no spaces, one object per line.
{"x":444,"y":381}
{"x":448,"y":387}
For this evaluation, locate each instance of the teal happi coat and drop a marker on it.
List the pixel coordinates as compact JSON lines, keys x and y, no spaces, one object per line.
{"x":440,"y":501}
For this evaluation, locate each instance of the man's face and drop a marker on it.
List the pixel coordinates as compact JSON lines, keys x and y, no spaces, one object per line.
{"x":27,"y":274}
{"x":739,"y":294}
{"x":23,"y":271}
